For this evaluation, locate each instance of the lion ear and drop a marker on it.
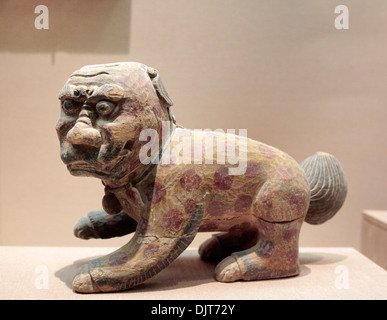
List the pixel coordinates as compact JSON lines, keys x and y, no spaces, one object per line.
{"x":158,"y":85}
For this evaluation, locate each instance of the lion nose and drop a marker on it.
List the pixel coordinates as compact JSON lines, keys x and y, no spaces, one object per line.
{"x":84,"y":134}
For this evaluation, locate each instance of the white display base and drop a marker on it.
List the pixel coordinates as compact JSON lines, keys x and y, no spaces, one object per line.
{"x":326,"y":273}
{"x":374,"y":236}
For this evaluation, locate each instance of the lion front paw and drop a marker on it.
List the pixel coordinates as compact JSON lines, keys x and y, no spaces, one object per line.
{"x":84,"y":229}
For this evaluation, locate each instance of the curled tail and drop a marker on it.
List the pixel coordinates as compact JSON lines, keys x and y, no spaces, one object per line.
{"x":328,"y":186}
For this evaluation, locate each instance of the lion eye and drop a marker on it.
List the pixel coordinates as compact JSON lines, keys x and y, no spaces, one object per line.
{"x":104,"y":108}
{"x":70,"y":107}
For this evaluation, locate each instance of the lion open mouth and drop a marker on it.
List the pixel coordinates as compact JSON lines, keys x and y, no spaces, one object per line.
{"x":81,"y":168}
{"x":91,"y":166}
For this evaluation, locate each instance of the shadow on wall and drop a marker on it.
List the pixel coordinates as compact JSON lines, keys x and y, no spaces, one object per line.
{"x":74,"y":26}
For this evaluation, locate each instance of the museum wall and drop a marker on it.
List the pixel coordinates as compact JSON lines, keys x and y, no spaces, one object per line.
{"x":279,"y":69}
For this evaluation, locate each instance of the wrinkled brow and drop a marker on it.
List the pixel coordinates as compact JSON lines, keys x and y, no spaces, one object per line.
{"x":110,"y":92}
{"x":85,"y":75}
{"x":67,"y":92}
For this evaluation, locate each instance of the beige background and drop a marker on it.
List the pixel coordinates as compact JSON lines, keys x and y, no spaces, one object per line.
{"x":276,"y":68}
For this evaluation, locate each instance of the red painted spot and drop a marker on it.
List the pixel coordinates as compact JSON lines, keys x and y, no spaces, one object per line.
{"x":131,"y":195}
{"x":134,"y":197}
{"x":253,"y":169}
{"x":150,"y":250}
{"x":189,"y":205}
{"x":216,"y":208}
{"x":190,"y":180}
{"x":172,"y":220}
{"x":243,"y":203}
{"x":159,"y":192}
{"x":266,"y":151}
{"x":222,"y":179}
{"x":284,"y":173}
